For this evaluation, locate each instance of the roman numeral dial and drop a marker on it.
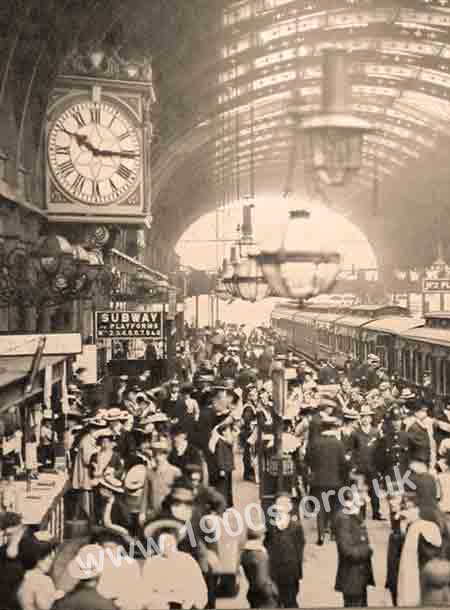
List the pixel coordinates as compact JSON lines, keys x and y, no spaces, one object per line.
{"x":95,"y":152}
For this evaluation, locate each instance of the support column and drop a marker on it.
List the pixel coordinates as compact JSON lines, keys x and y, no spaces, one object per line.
{"x":437,"y":383}
{"x":217,"y":312}
{"x":197,"y":310}
{"x":171,"y":342}
{"x":411,"y":366}
{"x":87,"y":319}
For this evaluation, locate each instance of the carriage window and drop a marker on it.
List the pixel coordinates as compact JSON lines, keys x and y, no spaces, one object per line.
{"x":416,"y":357}
{"x":433,"y":371}
{"x":442,"y":377}
{"x":446,"y":364}
{"x":429,"y":367}
{"x":382,"y":356}
{"x":406,"y":363}
{"x":419,"y":366}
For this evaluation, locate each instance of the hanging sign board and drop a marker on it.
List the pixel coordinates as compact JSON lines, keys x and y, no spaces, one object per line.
{"x":440,"y":285}
{"x":128,"y":324}
{"x":55,"y":344}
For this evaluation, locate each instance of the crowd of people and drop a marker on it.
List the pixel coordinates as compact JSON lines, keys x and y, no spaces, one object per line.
{"x":157,"y":464}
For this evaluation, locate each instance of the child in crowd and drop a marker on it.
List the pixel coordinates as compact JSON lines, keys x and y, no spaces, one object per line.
{"x":262,"y":592}
{"x":285,"y":542}
{"x":37,"y":590}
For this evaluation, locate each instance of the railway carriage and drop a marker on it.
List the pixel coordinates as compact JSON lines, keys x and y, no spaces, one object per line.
{"x":426,"y":349}
{"x":403,"y":343}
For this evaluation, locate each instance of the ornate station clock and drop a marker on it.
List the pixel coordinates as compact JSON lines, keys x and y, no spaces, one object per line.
{"x":98,"y":149}
{"x":95,"y":152}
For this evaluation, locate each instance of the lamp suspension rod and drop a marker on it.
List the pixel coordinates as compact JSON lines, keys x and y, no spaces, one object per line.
{"x":252,"y":107}
{"x":237,"y":141}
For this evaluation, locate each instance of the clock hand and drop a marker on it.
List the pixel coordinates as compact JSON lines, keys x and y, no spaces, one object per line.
{"x":114,"y":153}
{"x":82,"y":139}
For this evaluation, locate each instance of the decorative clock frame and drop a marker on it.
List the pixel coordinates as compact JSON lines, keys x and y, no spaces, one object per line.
{"x":99,"y":145}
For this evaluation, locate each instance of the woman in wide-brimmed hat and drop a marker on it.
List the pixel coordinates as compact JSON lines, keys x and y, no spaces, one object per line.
{"x":172,"y":578}
{"x":82,"y":472}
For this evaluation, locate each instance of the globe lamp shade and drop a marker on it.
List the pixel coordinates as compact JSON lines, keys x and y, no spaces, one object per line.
{"x":228,"y":278}
{"x":250,"y":281}
{"x":303,"y":265}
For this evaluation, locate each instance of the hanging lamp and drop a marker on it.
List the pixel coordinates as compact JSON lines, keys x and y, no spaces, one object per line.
{"x":332,"y":141}
{"x":299,"y":272}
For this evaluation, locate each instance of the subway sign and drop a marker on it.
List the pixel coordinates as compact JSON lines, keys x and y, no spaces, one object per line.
{"x":111,"y":324}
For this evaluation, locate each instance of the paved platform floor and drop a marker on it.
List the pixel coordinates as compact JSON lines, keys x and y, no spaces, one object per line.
{"x":317,"y":587}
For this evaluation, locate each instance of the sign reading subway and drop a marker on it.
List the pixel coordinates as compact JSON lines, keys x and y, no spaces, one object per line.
{"x":128,"y":324}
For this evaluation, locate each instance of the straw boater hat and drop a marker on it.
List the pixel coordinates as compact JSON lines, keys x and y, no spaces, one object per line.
{"x":95,"y":422}
{"x":329,"y":421}
{"x":111,"y":482}
{"x":115,"y":414}
{"x":155,"y":529}
{"x":407,"y":394}
{"x":161,"y":446}
{"x":366,"y":411}
{"x":105,"y":433}
{"x":348,"y":413}
{"x":135,"y":478}
{"x":73,"y":389}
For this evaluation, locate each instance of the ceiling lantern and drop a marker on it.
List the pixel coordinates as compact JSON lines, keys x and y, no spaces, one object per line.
{"x":220,"y":289}
{"x":251,"y":285}
{"x":333,"y":140}
{"x":229,"y":273}
{"x":303,"y":265}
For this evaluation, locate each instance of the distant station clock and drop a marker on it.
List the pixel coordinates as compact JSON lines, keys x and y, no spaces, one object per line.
{"x":95,"y":152}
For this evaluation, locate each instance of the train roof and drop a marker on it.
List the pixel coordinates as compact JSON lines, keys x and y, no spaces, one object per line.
{"x":392,"y":324}
{"x":436,"y":336}
{"x":352,"y":321}
{"x":437,"y":315}
{"x":377,"y":311}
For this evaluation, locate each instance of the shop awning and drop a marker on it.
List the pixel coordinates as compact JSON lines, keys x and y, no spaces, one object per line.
{"x":13,"y":369}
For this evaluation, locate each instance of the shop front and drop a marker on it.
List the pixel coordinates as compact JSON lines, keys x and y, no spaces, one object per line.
{"x":33,"y":399}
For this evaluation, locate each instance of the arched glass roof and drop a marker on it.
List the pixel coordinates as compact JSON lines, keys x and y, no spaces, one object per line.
{"x":271,"y":58}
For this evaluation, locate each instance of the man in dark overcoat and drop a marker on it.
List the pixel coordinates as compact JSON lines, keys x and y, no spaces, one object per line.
{"x":354,"y":572}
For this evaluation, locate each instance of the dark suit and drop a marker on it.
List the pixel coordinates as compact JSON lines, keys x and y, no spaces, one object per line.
{"x":286,"y":548}
{"x":419,"y":443}
{"x":392,"y":452}
{"x":329,"y":470}
{"x":354,"y":573}
{"x":366,"y":444}
{"x":328,"y":375}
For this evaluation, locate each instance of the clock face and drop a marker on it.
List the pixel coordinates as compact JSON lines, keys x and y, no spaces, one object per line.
{"x":94,"y":152}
